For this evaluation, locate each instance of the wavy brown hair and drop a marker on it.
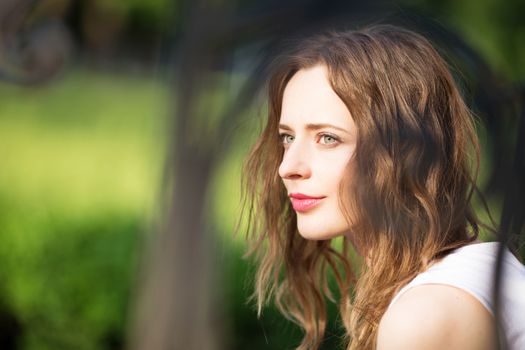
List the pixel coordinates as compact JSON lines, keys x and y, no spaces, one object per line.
{"x":408,"y":199}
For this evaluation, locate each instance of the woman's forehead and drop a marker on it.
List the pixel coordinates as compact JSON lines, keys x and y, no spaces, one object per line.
{"x":309,"y":99}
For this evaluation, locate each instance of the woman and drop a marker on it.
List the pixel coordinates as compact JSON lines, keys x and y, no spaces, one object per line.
{"x":368,"y":139}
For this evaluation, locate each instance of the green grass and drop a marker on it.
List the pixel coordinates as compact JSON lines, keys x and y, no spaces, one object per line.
{"x":79,"y":172}
{"x":83,"y":142}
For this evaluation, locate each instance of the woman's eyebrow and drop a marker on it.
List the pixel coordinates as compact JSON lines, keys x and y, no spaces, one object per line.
{"x":284,"y":127}
{"x":314,"y":127}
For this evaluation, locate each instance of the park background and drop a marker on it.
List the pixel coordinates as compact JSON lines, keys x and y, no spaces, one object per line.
{"x":82,"y":162}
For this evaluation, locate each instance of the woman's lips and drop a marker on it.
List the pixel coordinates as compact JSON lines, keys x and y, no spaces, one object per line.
{"x":302,"y":203}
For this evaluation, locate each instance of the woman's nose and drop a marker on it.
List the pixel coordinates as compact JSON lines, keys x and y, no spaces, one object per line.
{"x":295,"y":164}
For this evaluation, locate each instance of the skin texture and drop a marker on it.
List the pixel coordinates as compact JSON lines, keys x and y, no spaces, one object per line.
{"x":436,"y":316}
{"x":315,"y":159}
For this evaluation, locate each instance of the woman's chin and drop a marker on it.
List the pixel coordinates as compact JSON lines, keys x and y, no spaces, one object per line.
{"x":321,"y":227}
{"x":317,"y":235}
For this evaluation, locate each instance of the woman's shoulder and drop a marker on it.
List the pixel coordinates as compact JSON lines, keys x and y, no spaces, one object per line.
{"x":471,"y":268}
{"x":436,"y":316}
{"x":452,"y":301}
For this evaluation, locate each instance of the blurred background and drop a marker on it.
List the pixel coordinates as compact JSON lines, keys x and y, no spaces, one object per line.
{"x":118,"y":115}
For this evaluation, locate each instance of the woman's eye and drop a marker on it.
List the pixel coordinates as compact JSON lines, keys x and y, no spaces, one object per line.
{"x":286,"y":138}
{"x":328,"y":139}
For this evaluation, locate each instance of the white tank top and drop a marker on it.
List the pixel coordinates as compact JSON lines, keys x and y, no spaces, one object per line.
{"x":471,"y":268}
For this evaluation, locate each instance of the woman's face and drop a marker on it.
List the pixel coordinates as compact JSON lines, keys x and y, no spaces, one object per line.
{"x":319,"y":137}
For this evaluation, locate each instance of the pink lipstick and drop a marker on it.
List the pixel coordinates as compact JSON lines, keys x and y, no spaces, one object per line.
{"x":302,"y":202}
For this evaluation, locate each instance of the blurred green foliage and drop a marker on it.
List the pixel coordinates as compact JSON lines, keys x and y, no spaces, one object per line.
{"x":495,"y":29}
{"x":144,"y":14}
{"x":80,"y":167}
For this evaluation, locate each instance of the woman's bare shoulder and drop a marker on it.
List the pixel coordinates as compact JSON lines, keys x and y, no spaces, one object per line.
{"x":437,"y":316}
